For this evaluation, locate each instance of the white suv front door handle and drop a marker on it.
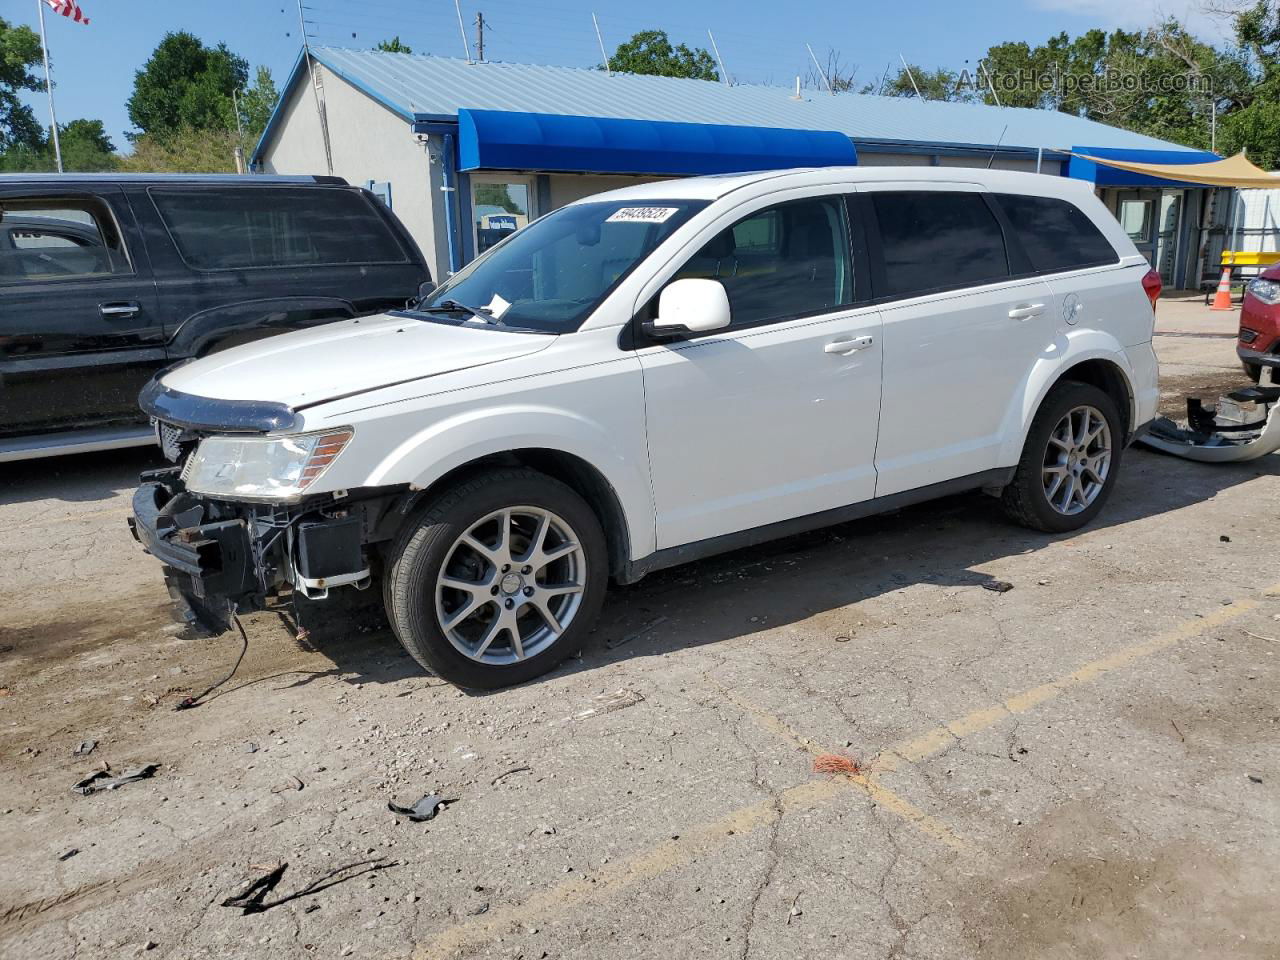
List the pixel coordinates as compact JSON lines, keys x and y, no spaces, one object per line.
{"x":849,"y":345}
{"x":1025,"y":311}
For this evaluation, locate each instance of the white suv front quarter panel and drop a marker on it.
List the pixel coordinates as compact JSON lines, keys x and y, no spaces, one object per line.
{"x":582,"y":396}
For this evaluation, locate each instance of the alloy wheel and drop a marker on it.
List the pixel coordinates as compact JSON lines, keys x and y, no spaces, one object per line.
{"x":510,"y":585}
{"x":1077,"y":460}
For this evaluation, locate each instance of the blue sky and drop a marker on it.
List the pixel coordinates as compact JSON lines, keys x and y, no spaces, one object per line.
{"x":761,"y":42}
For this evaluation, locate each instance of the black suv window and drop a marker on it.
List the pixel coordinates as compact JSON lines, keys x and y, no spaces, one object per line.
{"x":230,"y":228}
{"x":1056,"y":234}
{"x":784,"y":261}
{"x":937,"y":240}
{"x":51,"y":238}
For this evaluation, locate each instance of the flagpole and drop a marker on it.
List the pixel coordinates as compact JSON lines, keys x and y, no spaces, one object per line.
{"x":48,"y":86}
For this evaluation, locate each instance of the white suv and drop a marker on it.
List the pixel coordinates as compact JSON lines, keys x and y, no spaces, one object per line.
{"x":650,"y":376}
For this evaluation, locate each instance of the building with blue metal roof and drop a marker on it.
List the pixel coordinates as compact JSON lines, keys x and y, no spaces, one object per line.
{"x":466,"y":152}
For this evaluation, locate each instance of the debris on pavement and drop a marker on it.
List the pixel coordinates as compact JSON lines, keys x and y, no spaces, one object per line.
{"x":1224,"y":433}
{"x":795,"y":911}
{"x":997,"y":586}
{"x":608,"y":703}
{"x":251,"y":898}
{"x":69,"y":854}
{"x":103,"y":780}
{"x":1255,"y":779}
{"x":84,"y":748}
{"x":1223,"y":538}
{"x":507,"y":773}
{"x":289,"y":783}
{"x":656,"y":622}
{"x":837,"y":763}
{"x":424,"y":809}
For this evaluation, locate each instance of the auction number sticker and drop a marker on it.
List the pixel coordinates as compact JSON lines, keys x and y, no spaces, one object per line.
{"x":643,"y":215}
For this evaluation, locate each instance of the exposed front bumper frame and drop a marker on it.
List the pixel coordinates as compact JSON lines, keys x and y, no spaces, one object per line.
{"x":211,"y":569}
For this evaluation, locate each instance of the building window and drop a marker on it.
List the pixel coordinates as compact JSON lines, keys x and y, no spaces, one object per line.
{"x":499,"y":208}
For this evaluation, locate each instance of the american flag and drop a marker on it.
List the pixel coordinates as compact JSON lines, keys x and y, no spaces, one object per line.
{"x":68,"y":8}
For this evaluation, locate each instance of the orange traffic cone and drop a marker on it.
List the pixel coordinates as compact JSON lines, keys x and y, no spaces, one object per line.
{"x":1222,"y":299}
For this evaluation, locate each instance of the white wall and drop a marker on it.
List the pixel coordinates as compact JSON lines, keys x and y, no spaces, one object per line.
{"x":568,"y":187}
{"x":368,"y":142}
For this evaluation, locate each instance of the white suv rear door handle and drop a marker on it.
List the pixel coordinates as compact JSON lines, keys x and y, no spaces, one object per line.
{"x":1025,"y":311}
{"x":848,"y":345}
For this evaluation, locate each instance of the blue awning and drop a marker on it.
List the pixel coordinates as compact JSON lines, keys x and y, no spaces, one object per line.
{"x":1103,"y":176}
{"x":501,"y":140}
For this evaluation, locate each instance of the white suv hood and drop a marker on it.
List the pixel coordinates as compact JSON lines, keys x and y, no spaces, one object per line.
{"x":347,"y":357}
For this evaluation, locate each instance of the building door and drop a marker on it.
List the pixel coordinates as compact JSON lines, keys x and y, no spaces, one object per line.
{"x":1136,"y":211}
{"x":1167,"y":234}
{"x":499,"y":207}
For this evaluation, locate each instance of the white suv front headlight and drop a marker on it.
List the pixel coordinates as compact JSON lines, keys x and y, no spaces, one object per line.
{"x":262,"y":468}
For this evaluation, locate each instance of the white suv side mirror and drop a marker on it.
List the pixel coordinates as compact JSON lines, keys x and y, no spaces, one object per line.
{"x":690,"y":306}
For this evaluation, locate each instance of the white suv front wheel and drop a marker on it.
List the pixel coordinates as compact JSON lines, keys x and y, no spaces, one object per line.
{"x":499,"y":579}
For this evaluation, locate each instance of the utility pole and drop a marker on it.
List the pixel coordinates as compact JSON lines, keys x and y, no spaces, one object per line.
{"x":910,"y":76}
{"x":48,"y":86}
{"x":608,"y":67}
{"x":724,"y":74}
{"x":480,"y":37}
{"x":462,"y":29}
{"x":238,"y":152}
{"x":822,"y":73}
{"x":317,"y":90}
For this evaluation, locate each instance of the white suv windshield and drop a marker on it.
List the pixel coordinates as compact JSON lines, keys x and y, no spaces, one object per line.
{"x":553,"y":273}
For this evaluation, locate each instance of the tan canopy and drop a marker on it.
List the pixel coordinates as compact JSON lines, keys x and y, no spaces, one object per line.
{"x":1234,"y":171}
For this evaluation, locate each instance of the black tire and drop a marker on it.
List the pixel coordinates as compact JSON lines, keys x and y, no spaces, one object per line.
{"x":1252,"y":370}
{"x":1024,"y":499}
{"x":415,"y":560}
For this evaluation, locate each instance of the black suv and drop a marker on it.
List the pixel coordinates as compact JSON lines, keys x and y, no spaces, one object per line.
{"x":106,"y":279}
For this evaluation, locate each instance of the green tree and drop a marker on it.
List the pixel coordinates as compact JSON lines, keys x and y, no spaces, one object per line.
{"x":393,"y":46}
{"x":256,"y":106}
{"x":937,"y":84}
{"x":19,"y":52}
{"x":186,"y":85}
{"x":185,"y":150}
{"x":86,"y":148}
{"x":1252,"y":122}
{"x":650,"y":52}
{"x":496,"y":195}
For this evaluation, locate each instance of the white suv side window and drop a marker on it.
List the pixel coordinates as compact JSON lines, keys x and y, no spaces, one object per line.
{"x":938,"y":240}
{"x":785,"y":261}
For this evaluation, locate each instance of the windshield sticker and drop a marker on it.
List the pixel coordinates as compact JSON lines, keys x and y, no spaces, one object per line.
{"x":643,"y":215}
{"x":497,"y":307}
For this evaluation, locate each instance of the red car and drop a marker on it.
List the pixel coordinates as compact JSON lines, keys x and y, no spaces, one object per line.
{"x":1259,"y":343}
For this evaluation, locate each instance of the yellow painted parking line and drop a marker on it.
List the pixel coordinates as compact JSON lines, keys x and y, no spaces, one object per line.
{"x":878,"y":792}
{"x":656,"y":860}
{"x":938,"y":739}
{"x":627,"y":872}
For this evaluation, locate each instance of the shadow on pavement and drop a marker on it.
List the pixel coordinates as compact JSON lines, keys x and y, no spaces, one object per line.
{"x":77,"y":478}
{"x":795,"y":578}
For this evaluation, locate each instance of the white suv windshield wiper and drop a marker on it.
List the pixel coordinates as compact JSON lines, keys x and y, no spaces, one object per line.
{"x":453,"y":306}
